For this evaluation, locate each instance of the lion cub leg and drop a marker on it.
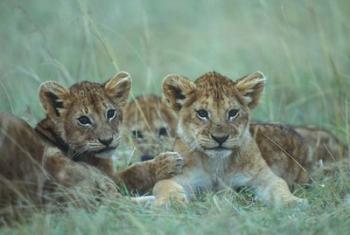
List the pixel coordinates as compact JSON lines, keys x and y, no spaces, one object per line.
{"x":273,"y":190}
{"x":69,"y":175}
{"x":63,"y":170}
{"x":169,"y":190}
{"x":142,"y":176}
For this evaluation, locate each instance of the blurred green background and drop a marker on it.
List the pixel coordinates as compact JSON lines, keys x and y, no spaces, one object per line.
{"x":301,"y":46}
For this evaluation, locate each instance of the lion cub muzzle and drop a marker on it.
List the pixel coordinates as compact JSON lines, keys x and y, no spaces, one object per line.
{"x":220,"y":139}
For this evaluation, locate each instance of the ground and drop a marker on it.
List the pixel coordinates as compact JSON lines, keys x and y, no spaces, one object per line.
{"x":301,"y":46}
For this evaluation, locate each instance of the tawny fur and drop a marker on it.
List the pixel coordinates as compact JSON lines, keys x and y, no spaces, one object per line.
{"x":324,"y":147}
{"x":284,"y":150}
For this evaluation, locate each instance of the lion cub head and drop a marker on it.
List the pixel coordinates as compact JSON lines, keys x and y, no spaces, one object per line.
{"x":213,"y":111}
{"x":85,"y":118}
{"x":151,"y":125}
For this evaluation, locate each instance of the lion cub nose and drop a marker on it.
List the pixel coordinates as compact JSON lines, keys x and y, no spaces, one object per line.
{"x":220,"y":139}
{"x":106,"y":141}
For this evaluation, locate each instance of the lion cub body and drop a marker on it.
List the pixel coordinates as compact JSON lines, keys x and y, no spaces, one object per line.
{"x":30,"y":170}
{"x":215,"y":140}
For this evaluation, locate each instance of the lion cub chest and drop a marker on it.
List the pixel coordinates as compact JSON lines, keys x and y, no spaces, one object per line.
{"x":217,"y":169}
{"x":211,"y":174}
{"x":224,"y":175}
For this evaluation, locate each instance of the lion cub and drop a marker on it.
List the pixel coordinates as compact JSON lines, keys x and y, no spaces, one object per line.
{"x":84,"y":122}
{"x":215,"y":141}
{"x":151,"y":124}
{"x":77,"y":137}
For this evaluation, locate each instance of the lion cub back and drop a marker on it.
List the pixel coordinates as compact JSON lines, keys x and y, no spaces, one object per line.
{"x":284,"y":151}
{"x":20,"y":154}
{"x":324,"y":147}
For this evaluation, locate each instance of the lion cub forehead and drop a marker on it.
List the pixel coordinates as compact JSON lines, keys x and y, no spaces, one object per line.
{"x":215,"y":85}
{"x":148,"y":106}
{"x":88,"y":91}
{"x":90,"y":96}
{"x":86,"y":88}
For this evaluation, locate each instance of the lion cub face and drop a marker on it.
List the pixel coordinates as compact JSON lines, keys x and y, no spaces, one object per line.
{"x":87,"y":115}
{"x":151,"y":125}
{"x":213,"y":110}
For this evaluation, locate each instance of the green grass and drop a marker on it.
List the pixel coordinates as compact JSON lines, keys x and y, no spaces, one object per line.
{"x":220,"y":213}
{"x":301,"y":46}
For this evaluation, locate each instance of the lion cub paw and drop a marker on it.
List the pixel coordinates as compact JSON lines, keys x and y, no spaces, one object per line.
{"x":166,"y":202}
{"x":168,"y":164}
{"x":297,"y":202}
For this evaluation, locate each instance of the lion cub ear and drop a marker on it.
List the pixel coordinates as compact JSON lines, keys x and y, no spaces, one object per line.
{"x":53,"y":98}
{"x":177,"y":91}
{"x":251,"y":87}
{"x":118,"y":88}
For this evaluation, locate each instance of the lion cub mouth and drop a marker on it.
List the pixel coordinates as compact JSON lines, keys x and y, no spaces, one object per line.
{"x":218,"y":148}
{"x":218,"y":152}
{"x":146,"y":157}
{"x":105,"y":153}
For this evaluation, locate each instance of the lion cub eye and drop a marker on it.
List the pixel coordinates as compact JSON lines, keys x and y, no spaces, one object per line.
{"x":232,"y":114}
{"x":84,"y":121}
{"x":202,"y":114}
{"x":163,"y":132}
{"x":111,"y":114}
{"x":137,"y":134}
